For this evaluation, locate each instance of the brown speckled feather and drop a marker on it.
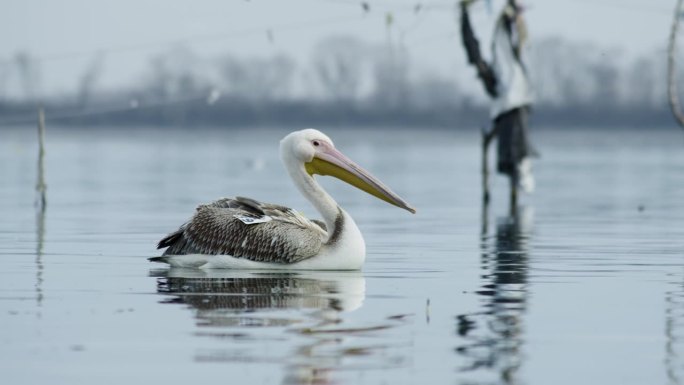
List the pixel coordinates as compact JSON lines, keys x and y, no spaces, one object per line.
{"x":217,"y":228}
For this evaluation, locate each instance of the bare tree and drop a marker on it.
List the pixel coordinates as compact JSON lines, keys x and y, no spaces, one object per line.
{"x":5,"y":72}
{"x":175,"y":74}
{"x":339,"y":63}
{"x":29,"y":73}
{"x":89,"y":78}
{"x":391,"y":75}
{"x":572,"y":74}
{"x":606,"y":79}
{"x":644,"y":83}
{"x":257,"y":79}
{"x":434,"y":92}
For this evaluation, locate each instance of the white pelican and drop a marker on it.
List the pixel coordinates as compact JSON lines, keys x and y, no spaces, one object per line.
{"x":242,"y":233}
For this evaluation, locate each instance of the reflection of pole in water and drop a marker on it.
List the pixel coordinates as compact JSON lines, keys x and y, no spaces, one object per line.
{"x":41,"y":187}
{"x":494,"y":334}
{"x":40,"y":236}
{"x":674,"y":331}
{"x":487,"y":137}
{"x":41,"y":202}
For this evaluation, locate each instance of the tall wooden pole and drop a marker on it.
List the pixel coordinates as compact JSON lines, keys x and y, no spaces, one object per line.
{"x":41,"y":202}
{"x":672,"y":89}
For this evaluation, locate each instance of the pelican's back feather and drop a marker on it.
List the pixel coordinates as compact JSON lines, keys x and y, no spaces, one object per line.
{"x":276,"y":234}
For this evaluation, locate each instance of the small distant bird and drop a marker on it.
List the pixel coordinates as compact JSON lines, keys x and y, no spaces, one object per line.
{"x":245,"y":233}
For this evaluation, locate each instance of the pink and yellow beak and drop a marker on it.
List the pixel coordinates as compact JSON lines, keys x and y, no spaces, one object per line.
{"x":328,"y":161}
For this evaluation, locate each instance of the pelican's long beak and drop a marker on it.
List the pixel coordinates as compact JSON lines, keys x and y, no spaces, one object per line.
{"x":329,"y":161}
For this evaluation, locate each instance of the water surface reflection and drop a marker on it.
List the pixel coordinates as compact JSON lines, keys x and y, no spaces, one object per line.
{"x":674,"y":330}
{"x":300,"y":316}
{"x":494,"y":334}
{"x":230,"y":294}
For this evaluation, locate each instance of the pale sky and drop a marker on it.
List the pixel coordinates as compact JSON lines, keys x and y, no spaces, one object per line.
{"x":67,"y":34}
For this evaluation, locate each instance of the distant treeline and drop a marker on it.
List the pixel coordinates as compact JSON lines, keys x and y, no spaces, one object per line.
{"x":350,"y":82}
{"x":237,"y":113}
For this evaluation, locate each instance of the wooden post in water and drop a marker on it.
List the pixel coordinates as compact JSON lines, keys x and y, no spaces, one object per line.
{"x":41,"y":203}
{"x":41,"y":187}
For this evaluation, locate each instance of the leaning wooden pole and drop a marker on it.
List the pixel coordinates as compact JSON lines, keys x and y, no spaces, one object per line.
{"x":41,"y":187}
{"x":672,"y":89}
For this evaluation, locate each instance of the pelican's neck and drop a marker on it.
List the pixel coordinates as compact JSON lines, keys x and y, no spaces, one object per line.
{"x":329,"y":209}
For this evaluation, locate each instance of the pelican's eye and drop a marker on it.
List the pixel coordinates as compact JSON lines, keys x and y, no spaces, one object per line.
{"x":316,"y":143}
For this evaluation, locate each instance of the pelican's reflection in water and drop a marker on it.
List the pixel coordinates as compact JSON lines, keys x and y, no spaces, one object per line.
{"x":292,"y":319}
{"x":674,"y":331}
{"x":493,"y":335}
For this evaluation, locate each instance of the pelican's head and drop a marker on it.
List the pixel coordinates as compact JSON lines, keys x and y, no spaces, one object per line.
{"x":316,"y":152}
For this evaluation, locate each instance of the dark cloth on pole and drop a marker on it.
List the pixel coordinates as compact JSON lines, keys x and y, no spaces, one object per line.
{"x":513,"y":144}
{"x":472,"y":46}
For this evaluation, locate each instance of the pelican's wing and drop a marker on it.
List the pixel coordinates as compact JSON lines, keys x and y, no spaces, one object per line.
{"x":245,"y":228}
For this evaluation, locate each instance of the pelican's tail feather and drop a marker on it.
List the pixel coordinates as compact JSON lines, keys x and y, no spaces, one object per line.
{"x":189,"y":261}
{"x":159,"y":259}
{"x":170,"y":239}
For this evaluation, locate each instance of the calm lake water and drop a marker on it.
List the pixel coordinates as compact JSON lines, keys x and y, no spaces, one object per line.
{"x":583,"y":284}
